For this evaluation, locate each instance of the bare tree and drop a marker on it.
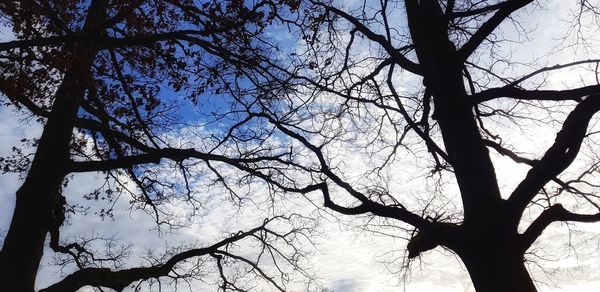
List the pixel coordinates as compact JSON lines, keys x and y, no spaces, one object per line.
{"x":378,"y":96}
{"x":94,"y":74}
{"x":385,"y":86}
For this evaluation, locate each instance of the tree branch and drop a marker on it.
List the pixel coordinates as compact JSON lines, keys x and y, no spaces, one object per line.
{"x":558,"y":157}
{"x":553,"y":214}
{"x":518,"y":93}
{"x":16,"y":95}
{"x":552,"y":68}
{"x":490,"y":25}
{"x":398,"y":58}
{"x":103,"y":41}
{"x":118,"y":280}
{"x":156,"y":155}
{"x":478,"y":11}
{"x":366,"y":205}
{"x":505,"y":152}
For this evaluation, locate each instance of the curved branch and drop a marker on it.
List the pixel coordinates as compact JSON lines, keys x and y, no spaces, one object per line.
{"x":506,"y":8}
{"x":366,"y":205}
{"x":397,"y":57}
{"x":553,"y":214}
{"x":432,"y":147}
{"x":477,"y":11}
{"x":506,"y":152}
{"x":558,"y":157}
{"x":16,"y":96}
{"x":552,"y":68}
{"x":118,"y":280}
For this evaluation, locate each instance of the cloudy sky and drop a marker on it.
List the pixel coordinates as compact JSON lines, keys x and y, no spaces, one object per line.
{"x":348,"y":259}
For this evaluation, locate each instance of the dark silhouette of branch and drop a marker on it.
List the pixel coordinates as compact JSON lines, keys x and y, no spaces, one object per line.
{"x":506,"y":152}
{"x":156,"y":155}
{"x":478,"y":11}
{"x":551,"y":68}
{"x":553,"y":214}
{"x":557,"y":158}
{"x":396,"y":56}
{"x":365,"y":205}
{"x":120,"y":279}
{"x":16,"y":96}
{"x":504,"y":9}
{"x":518,"y":93}
{"x":108,"y":42}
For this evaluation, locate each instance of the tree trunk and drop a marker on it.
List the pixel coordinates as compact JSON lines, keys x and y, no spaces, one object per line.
{"x":497,"y":271}
{"x":488,"y":248}
{"x":38,"y":197}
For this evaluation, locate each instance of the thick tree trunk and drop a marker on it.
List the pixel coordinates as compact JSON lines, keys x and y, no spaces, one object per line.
{"x":487,"y":246}
{"x":38,"y":197}
{"x":497,"y":271}
{"x":443,"y":77}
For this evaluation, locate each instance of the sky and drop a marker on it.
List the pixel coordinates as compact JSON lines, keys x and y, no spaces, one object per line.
{"x":348,"y":259}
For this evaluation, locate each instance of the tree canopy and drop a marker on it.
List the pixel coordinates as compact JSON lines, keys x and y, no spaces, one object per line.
{"x":108,"y":80}
{"x":402,"y":113}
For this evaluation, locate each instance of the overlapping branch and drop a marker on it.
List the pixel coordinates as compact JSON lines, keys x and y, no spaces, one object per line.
{"x":556,"y":159}
{"x":504,"y":9}
{"x":365,"y":205}
{"x":120,"y":279}
{"x":553,"y":214}
{"x":386,"y":44}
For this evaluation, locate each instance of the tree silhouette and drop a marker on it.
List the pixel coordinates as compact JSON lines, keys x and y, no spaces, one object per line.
{"x":93,"y":73}
{"x":387,"y":85}
{"x":375,"y":98}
